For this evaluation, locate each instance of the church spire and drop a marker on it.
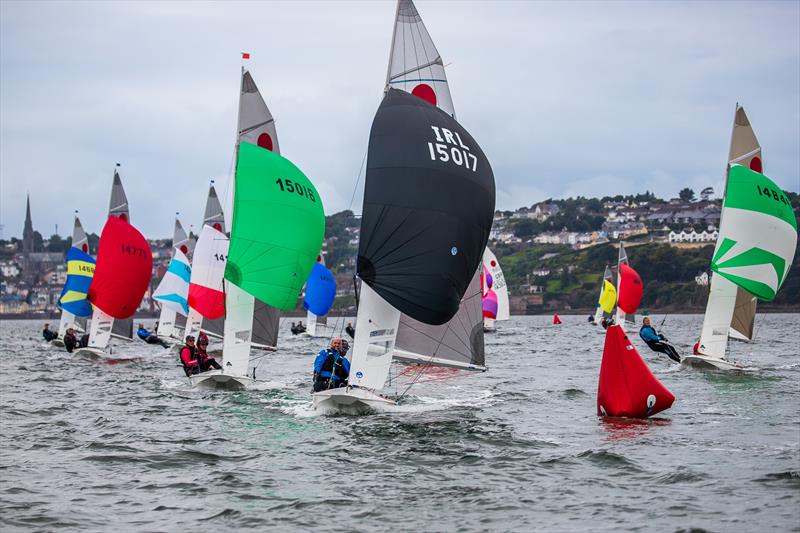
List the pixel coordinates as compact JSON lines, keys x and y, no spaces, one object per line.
{"x":27,"y":233}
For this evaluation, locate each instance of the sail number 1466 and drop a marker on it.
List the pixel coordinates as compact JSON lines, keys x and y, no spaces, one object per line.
{"x":450,"y":148}
{"x":290,"y":186}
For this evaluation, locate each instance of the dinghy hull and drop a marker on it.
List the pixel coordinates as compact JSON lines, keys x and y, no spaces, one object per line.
{"x":216,"y":379}
{"x":93,"y":353}
{"x":349,"y":400}
{"x":57,"y":342}
{"x":702,"y":362}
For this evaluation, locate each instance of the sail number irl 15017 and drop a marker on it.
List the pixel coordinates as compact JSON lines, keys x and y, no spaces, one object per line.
{"x":290,"y":186}
{"x":449,"y":148}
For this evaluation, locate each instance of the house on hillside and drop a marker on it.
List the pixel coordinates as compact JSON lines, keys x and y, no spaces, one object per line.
{"x":692,"y":236}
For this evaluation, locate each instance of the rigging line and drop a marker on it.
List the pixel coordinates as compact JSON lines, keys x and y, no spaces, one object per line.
{"x":358,"y":180}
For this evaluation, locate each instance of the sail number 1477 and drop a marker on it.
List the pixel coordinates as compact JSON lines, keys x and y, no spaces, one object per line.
{"x":449,"y":147}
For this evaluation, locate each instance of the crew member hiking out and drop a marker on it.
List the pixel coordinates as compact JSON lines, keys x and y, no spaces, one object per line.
{"x":150,"y":338}
{"x":331,"y":367}
{"x":657,"y":342}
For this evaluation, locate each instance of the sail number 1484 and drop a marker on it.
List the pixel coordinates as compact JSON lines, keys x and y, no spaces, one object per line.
{"x":449,"y":147}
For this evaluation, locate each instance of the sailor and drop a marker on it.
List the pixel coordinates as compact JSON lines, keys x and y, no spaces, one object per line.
{"x":657,"y":342}
{"x":350,"y":330}
{"x":47,"y":334}
{"x":70,"y":340}
{"x":591,"y":319}
{"x":331,"y":367}
{"x":150,"y":338}
{"x":294,"y":328}
{"x":204,"y":361}
{"x":84,"y":342}
{"x":300,"y":327}
{"x":188,"y":359}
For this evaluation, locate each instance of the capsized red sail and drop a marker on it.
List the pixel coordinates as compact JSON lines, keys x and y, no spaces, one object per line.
{"x":629,"y":294}
{"x":122,"y":273}
{"x":627,"y":387}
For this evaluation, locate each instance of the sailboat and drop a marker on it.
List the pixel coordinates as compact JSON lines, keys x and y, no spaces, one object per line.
{"x":319,"y":297}
{"x":214,"y":218}
{"x":276,"y":233}
{"x":121,"y":276}
{"x":495,"y":304}
{"x":607,"y":299}
{"x":428,"y":208}
{"x":754,"y":250}
{"x":80,"y":268}
{"x":621,"y":316}
{"x":626,"y":386}
{"x":172,"y":292}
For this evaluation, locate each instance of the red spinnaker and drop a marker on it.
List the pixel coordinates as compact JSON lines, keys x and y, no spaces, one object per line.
{"x":629,"y":295}
{"x":122,"y":274}
{"x":627,"y":387}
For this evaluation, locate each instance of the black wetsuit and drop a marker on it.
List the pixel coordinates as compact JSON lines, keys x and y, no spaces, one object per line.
{"x":49,"y":335}
{"x":350,"y":330}
{"x":658,"y":343}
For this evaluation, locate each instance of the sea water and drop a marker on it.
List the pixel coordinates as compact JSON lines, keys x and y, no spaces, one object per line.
{"x":123,"y":443}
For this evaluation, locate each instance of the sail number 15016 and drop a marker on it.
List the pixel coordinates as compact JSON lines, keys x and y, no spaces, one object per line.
{"x":290,"y":186}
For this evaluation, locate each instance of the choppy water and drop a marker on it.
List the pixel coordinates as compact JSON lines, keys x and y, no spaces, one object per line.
{"x":125,"y":445}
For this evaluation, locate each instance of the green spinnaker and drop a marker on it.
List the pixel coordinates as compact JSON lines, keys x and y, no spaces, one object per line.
{"x":277,"y":230}
{"x":758,"y":234}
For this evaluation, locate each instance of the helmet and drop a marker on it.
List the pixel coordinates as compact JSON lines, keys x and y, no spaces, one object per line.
{"x":189,"y":338}
{"x":340,"y":345}
{"x":202,"y":338}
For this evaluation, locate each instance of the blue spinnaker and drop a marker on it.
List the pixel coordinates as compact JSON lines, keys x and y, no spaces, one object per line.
{"x":320,"y":290}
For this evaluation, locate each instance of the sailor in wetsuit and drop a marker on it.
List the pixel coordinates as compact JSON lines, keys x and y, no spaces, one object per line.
{"x":188,"y":357}
{"x":331,"y":367}
{"x":350,"y":330}
{"x":657,"y":342}
{"x":70,"y":340}
{"x":149,"y":338}
{"x":47,"y":334}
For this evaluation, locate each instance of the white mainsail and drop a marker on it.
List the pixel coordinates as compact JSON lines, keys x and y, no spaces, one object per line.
{"x":623,"y":258}
{"x":607,"y":276}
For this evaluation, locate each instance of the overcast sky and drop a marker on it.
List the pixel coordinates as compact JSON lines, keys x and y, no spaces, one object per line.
{"x":566,"y":98}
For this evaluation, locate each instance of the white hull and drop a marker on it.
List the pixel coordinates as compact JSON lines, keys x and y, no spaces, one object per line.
{"x":93,"y":353}
{"x":57,"y":342}
{"x":216,"y":379}
{"x":350,"y":401}
{"x":703,"y":362}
